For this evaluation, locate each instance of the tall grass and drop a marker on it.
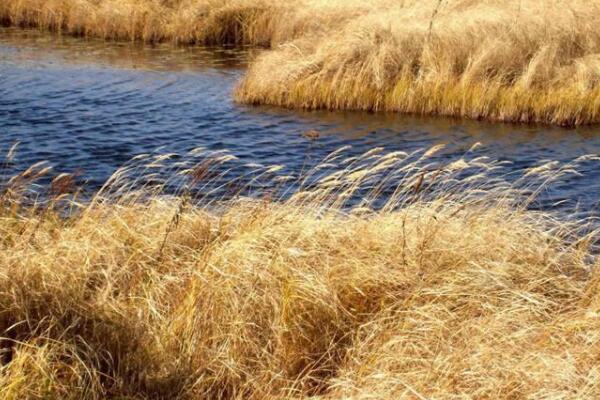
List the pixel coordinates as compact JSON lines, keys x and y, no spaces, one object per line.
{"x":255,"y":22}
{"x":388,"y":275}
{"x":515,"y":60}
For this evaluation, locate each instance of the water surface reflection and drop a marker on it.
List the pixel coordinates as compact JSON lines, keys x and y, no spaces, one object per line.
{"x":90,"y":105}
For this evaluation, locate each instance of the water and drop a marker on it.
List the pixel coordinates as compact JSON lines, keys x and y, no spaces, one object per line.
{"x":89,"y":106}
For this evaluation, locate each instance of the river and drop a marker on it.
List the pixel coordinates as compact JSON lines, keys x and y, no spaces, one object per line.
{"x":89,"y":106}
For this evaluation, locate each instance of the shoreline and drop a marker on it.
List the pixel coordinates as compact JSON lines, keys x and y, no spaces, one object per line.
{"x":502,"y":64}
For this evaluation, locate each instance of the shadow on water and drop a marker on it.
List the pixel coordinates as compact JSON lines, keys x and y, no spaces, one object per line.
{"x":27,"y":46}
{"x":89,"y":105}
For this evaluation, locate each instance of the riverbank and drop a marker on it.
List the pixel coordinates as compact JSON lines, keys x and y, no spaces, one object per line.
{"x":451,"y":288}
{"x":517,"y":61}
{"x":250,"y":22}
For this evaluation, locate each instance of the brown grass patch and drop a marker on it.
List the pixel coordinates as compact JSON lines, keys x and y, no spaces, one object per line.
{"x":443,"y":293}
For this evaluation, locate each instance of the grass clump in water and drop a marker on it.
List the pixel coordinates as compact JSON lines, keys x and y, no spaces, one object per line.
{"x":512,"y":61}
{"x":449,"y":287}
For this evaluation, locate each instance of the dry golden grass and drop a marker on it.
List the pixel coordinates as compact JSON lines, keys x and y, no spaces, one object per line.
{"x":514,"y":60}
{"x":451,"y":290}
{"x":517,"y":61}
{"x":256,"y":22}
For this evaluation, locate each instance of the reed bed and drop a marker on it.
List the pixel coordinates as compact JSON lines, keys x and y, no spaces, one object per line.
{"x":388,"y":275}
{"x":526,"y":61}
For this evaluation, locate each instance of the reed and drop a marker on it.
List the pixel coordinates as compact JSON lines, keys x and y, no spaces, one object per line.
{"x":448,"y":288}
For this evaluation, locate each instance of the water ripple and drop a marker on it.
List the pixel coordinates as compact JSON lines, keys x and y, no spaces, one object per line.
{"x":91,"y":106}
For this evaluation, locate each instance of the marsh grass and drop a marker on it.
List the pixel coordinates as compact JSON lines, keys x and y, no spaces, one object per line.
{"x":515,"y":61}
{"x":525,"y":61}
{"x":256,"y":22}
{"x":384,"y":275}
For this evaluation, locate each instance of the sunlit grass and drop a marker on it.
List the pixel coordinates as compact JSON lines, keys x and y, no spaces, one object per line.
{"x":386,"y":275}
{"x":256,"y":22}
{"x":514,"y":61}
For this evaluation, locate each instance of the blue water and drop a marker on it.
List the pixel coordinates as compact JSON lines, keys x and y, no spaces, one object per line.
{"x":90,"y":106}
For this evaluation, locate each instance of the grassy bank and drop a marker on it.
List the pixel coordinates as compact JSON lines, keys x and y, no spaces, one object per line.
{"x":451,"y":290}
{"x":253,"y":22}
{"x":516,"y":61}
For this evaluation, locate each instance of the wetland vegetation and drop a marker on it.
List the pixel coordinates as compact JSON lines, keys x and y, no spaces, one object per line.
{"x":378,"y":274}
